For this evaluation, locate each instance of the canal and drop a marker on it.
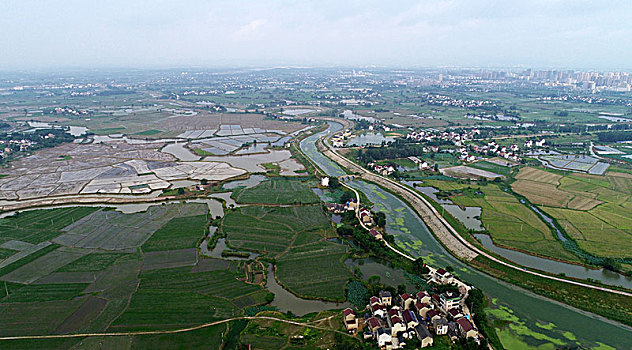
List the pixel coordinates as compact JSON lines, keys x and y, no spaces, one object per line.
{"x":527,"y":320}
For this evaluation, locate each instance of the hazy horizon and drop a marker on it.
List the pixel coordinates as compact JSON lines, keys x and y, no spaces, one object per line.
{"x":168,"y":34}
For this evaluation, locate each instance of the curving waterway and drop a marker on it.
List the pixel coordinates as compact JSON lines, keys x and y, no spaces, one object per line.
{"x":533,"y":321}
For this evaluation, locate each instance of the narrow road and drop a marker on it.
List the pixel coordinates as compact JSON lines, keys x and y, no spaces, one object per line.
{"x":173,"y":331}
{"x":448,"y":236}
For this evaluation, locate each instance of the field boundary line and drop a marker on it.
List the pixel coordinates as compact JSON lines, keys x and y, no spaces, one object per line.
{"x":172,"y":331}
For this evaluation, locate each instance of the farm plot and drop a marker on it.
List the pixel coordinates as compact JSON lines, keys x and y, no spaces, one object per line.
{"x":593,"y":234}
{"x":36,"y":226}
{"x":272,"y":229}
{"x":469,"y":173}
{"x":178,"y":233}
{"x":512,"y":224}
{"x":44,"y":265}
{"x":35,"y":318}
{"x":168,"y":299}
{"x":278,"y":191}
{"x":112,"y":230}
{"x":170,"y":259}
{"x":315,"y":270}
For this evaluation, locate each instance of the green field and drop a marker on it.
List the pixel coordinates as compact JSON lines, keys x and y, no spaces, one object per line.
{"x":178,"y":233}
{"x":315,"y":270}
{"x":36,"y":226}
{"x":595,"y":211}
{"x":296,"y":238}
{"x":512,"y":224}
{"x":272,"y":229}
{"x":278,"y":191}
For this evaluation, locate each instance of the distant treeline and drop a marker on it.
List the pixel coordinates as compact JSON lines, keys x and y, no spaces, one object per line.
{"x":615,"y":136}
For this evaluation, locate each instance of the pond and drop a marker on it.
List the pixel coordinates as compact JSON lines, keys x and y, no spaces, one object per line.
{"x":369,"y":138}
{"x":348,"y":114}
{"x":468,"y":216}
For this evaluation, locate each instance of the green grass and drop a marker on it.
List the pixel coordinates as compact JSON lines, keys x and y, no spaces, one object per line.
{"x":5,"y":253}
{"x":27,"y":259}
{"x":36,"y":226}
{"x":178,"y":233}
{"x":106,"y":131}
{"x":278,"y":191}
{"x":512,"y":224}
{"x":64,"y":157}
{"x":494,"y":168}
{"x":205,"y":338}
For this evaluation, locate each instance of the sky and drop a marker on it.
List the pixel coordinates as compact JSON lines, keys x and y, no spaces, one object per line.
{"x":591,"y":34}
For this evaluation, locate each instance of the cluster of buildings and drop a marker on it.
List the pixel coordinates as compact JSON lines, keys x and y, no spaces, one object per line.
{"x":393,"y":321}
{"x":10,"y":146}
{"x":384,"y":170}
{"x":65,"y":111}
{"x":339,"y":140}
{"x":457,"y":138}
{"x":337,"y":208}
{"x":442,"y":100}
{"x":493,"y":149}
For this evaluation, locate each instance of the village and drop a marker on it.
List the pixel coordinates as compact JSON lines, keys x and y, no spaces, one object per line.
{"x":392,"y":321}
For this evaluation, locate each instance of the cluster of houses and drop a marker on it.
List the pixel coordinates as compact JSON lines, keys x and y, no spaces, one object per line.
{"x":9,"y":146}
{"x":383,"y":170}
{"x":392,"y":321}
{"x":422,"y":165}
{"x":337,"y":208}
{"x":492,"y":148}
{"x":457,"y":138}
{"x":340,"y":139}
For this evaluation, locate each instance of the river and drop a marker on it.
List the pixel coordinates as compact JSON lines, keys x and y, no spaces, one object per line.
{"x":533,"y":320}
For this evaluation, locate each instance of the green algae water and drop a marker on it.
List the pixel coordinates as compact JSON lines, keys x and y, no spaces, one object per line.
{"x":523,"y":319}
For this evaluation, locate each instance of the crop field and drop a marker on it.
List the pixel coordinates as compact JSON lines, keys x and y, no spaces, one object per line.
{"x":65,"y":290}
{"x":113,"y":230}
{"x":512,"y":224}
{"x":36,"y":226}
{"x":164,"y":296}
{"x":178,"y":233}
{"x":278,"y":191}
{"x":295,"y":237}
{"x":595,"y":211}
{"x":493,"y":167}
{"x":321,"y":263}
{"x":272,"y":229}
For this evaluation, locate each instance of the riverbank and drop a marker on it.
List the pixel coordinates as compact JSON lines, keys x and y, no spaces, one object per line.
{"x":467,"y":252}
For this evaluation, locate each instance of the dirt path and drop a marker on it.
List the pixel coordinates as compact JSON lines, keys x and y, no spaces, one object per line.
{"x":173,"y":331}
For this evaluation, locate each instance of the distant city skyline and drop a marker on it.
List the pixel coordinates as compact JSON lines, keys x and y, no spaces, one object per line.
{"x":563,"y":34}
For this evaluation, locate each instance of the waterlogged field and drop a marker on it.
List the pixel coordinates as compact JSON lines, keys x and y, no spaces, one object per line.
{"x":595,"y":211}
{"x":278,"y":191}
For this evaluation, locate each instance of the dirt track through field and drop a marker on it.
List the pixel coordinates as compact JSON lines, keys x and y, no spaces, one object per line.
{"x":173,"y":331}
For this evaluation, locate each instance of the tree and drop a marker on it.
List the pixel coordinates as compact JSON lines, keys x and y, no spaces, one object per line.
{"x":419,"y":267}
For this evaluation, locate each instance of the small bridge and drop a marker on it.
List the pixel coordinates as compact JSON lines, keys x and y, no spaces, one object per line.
{"x":346,"y":178}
